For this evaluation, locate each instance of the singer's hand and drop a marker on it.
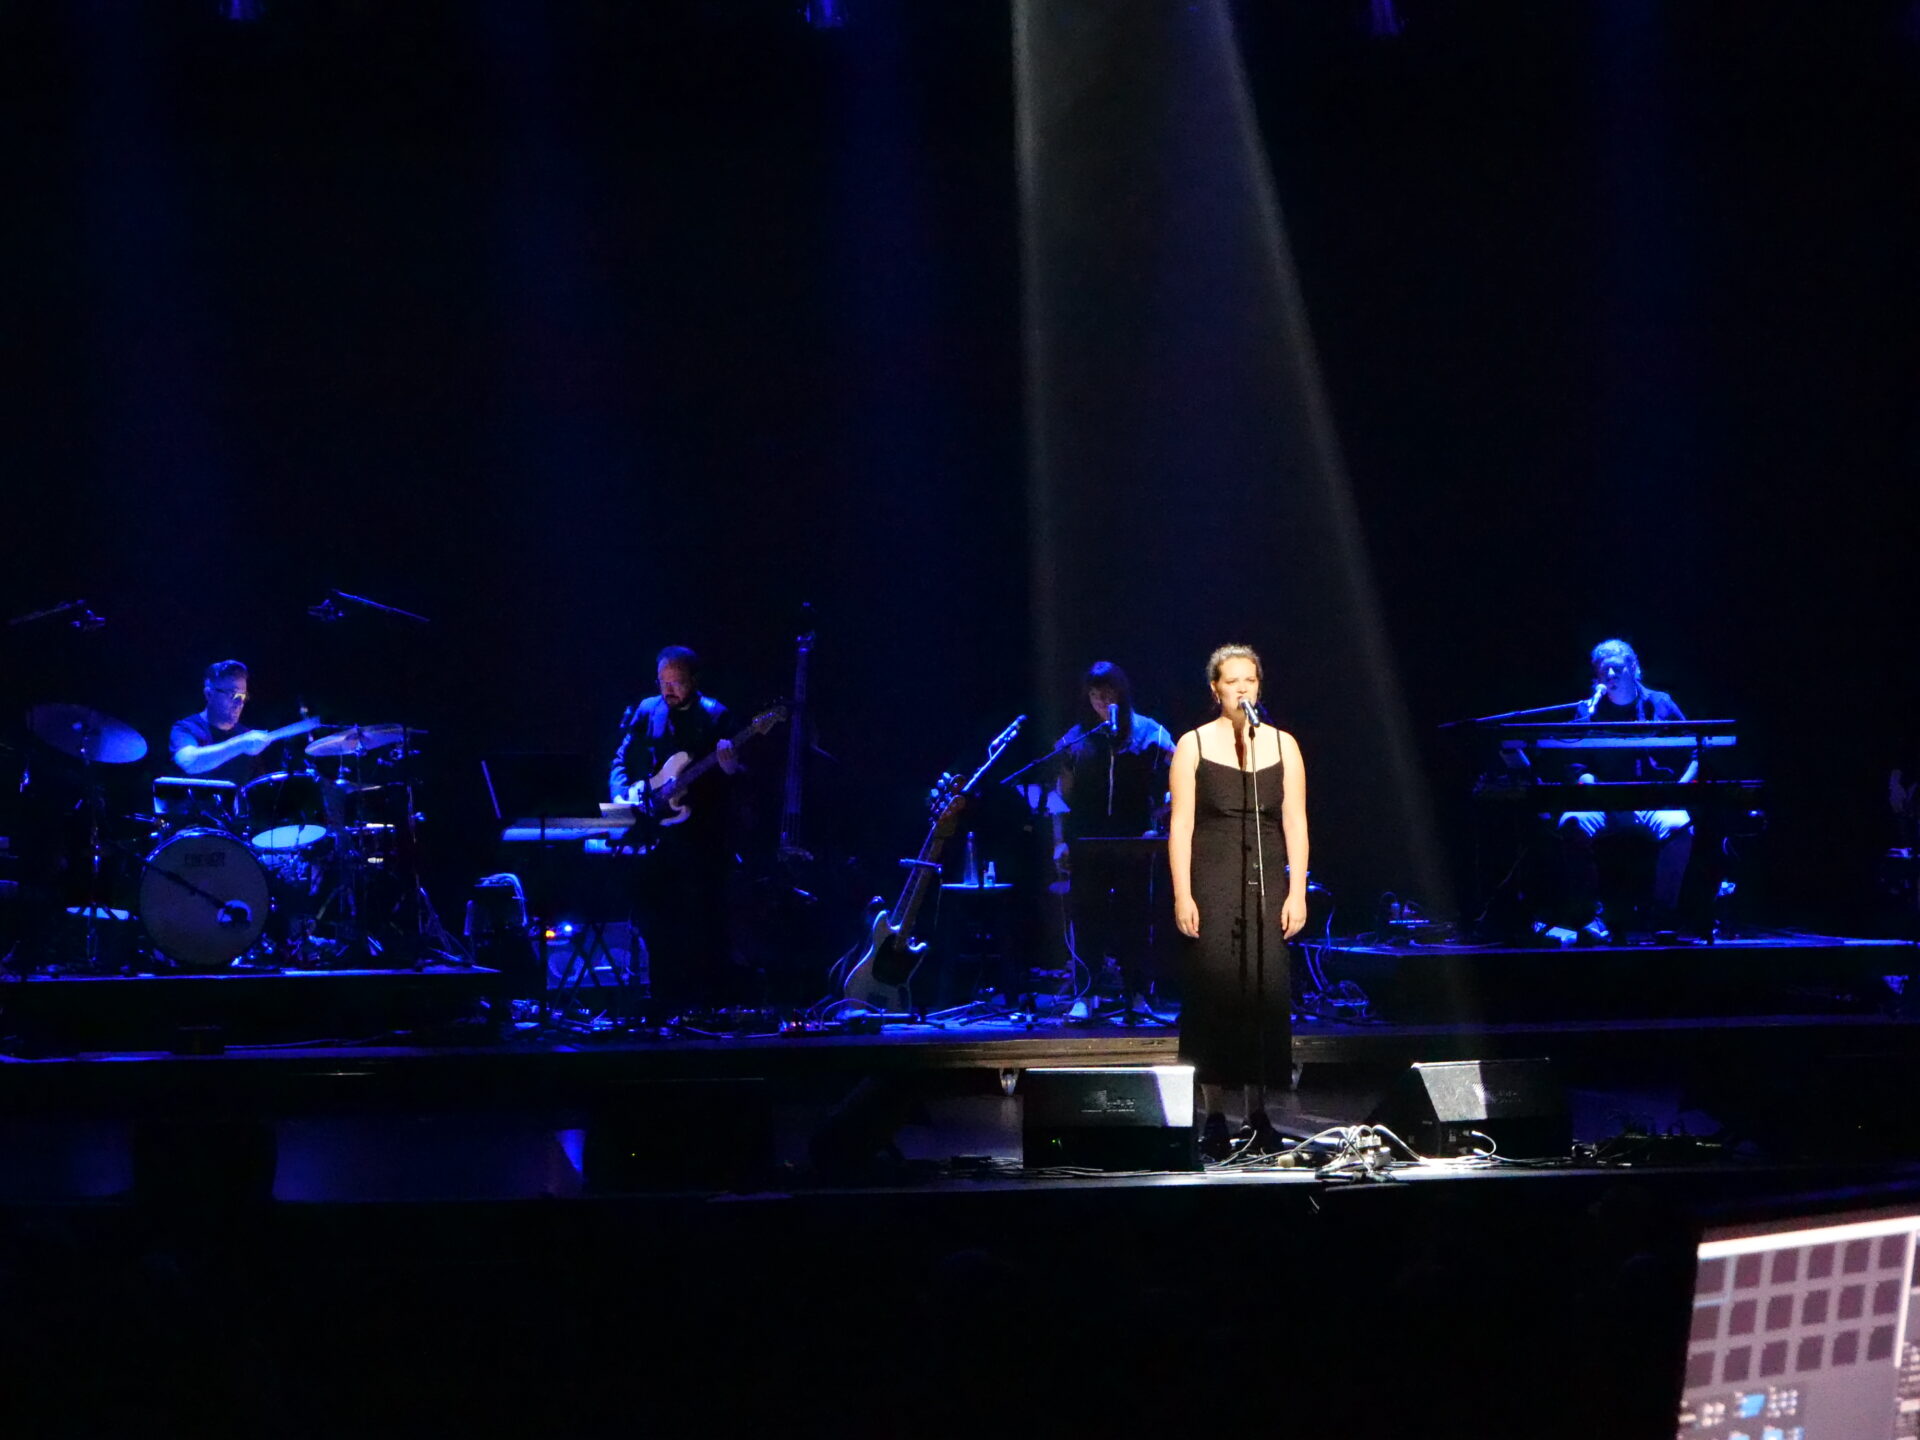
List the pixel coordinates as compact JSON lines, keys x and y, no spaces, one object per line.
{"x":1186,"y":918}
{"x":1293,"y":915}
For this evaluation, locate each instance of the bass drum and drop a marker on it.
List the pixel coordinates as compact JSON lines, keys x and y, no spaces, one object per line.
{"x":203,"y":898}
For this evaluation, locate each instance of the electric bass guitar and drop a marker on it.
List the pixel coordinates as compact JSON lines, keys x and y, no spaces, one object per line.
{"x":662,"y":799}
{"x":882,"y":974}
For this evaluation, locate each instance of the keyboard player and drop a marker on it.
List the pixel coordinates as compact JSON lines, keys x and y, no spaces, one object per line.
{"x":1620,"y":694}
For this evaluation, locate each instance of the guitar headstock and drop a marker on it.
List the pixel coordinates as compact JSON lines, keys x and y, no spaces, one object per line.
{"x":947,"y":792}
{"x":767,"y":719}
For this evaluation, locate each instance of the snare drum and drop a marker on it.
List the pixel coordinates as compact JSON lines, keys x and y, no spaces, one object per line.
{"x":291,"y":809}
{"x":203,"y":898}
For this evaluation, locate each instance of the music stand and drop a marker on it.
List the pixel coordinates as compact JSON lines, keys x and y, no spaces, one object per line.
{"x":541,"y":786}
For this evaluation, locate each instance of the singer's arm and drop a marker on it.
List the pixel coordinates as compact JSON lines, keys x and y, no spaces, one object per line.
{"x":1293,"y":823}
{"x":1186,"y":765}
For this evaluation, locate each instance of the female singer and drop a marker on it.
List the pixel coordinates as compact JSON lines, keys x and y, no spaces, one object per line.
{"x":1238,"y":848}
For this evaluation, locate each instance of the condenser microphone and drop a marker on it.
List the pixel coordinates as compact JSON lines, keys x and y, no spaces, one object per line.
{"x":1252,"y":713}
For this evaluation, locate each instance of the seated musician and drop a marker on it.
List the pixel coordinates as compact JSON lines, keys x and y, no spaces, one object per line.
{"x":680,"y":895}
{"x":1620,"y":695}
{"x":1112,"y":783}
{"x":211,"y":744}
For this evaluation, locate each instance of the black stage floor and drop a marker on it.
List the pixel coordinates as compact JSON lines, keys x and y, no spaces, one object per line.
{"x":457,"y":1227}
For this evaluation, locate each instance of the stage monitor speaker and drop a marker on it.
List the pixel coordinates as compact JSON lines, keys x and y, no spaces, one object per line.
{"x":1436,"y":1107}
{"x":1134,"y":1117}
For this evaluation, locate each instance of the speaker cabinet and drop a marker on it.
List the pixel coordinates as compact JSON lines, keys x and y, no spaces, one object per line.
{"x":1437,"y":1107}
{"x":1111,"y":1118}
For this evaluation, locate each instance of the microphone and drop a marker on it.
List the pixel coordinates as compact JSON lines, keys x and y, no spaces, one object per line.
{"x":1593,"y":700}
{"x":1252,"y":712}
{"x":1113,"y":718}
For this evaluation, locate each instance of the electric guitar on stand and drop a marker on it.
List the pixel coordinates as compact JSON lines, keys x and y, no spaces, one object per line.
{"x":882,"y":974}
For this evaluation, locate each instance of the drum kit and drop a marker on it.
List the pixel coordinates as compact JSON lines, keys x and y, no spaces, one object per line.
{"x":287,"y":869}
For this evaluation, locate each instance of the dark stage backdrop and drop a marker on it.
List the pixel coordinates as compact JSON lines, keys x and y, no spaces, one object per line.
{"x":583,"y":328}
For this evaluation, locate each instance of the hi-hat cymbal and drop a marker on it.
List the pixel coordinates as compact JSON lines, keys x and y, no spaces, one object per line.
{"x":86,"y":734}
{"x":357,"y":740}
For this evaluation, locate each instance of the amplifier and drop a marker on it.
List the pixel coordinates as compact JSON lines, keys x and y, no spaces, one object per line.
{"x":1136,"y":1117}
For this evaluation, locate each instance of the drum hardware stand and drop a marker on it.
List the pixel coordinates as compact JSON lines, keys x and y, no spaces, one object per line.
{"x":94,"y":907}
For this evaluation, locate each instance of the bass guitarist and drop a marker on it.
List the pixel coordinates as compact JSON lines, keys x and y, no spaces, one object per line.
{"x":680,"y":905}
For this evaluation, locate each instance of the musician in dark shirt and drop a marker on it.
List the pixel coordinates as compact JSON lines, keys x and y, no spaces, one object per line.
{"x":1112,"y":785}
{"x":680,"y":893}
{"x":211,"y":744}
{"x":1620,"y":694}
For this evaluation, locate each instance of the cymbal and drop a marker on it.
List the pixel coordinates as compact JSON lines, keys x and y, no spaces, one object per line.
{"x":357,"y":740}
{"x":86,"y":734}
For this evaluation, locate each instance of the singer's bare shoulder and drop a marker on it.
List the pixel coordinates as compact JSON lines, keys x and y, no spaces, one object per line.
{"x":1186,"y":750}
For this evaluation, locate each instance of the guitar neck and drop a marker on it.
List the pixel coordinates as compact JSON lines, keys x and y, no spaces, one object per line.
{"x":706,"y":762}
{"x":926,"y":870}
{"x":926,"y":867}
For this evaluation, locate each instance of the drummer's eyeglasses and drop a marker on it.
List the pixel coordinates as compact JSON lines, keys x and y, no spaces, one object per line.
{"x":230,"y":694}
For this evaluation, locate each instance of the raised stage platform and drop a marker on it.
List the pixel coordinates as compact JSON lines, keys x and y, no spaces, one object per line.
{"x":436,"y":1035}
{"x":472,"y":1224}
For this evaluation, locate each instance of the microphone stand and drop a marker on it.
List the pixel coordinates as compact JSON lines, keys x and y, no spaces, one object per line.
{"x":1250,"y":784}
{"x":1056,"y":753}
{"x":1113,"y":748}
{"x":329,"y":608}
{"x":1513,"y":714}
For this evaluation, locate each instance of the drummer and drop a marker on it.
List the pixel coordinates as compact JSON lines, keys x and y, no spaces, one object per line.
{"x":211,"y":744}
